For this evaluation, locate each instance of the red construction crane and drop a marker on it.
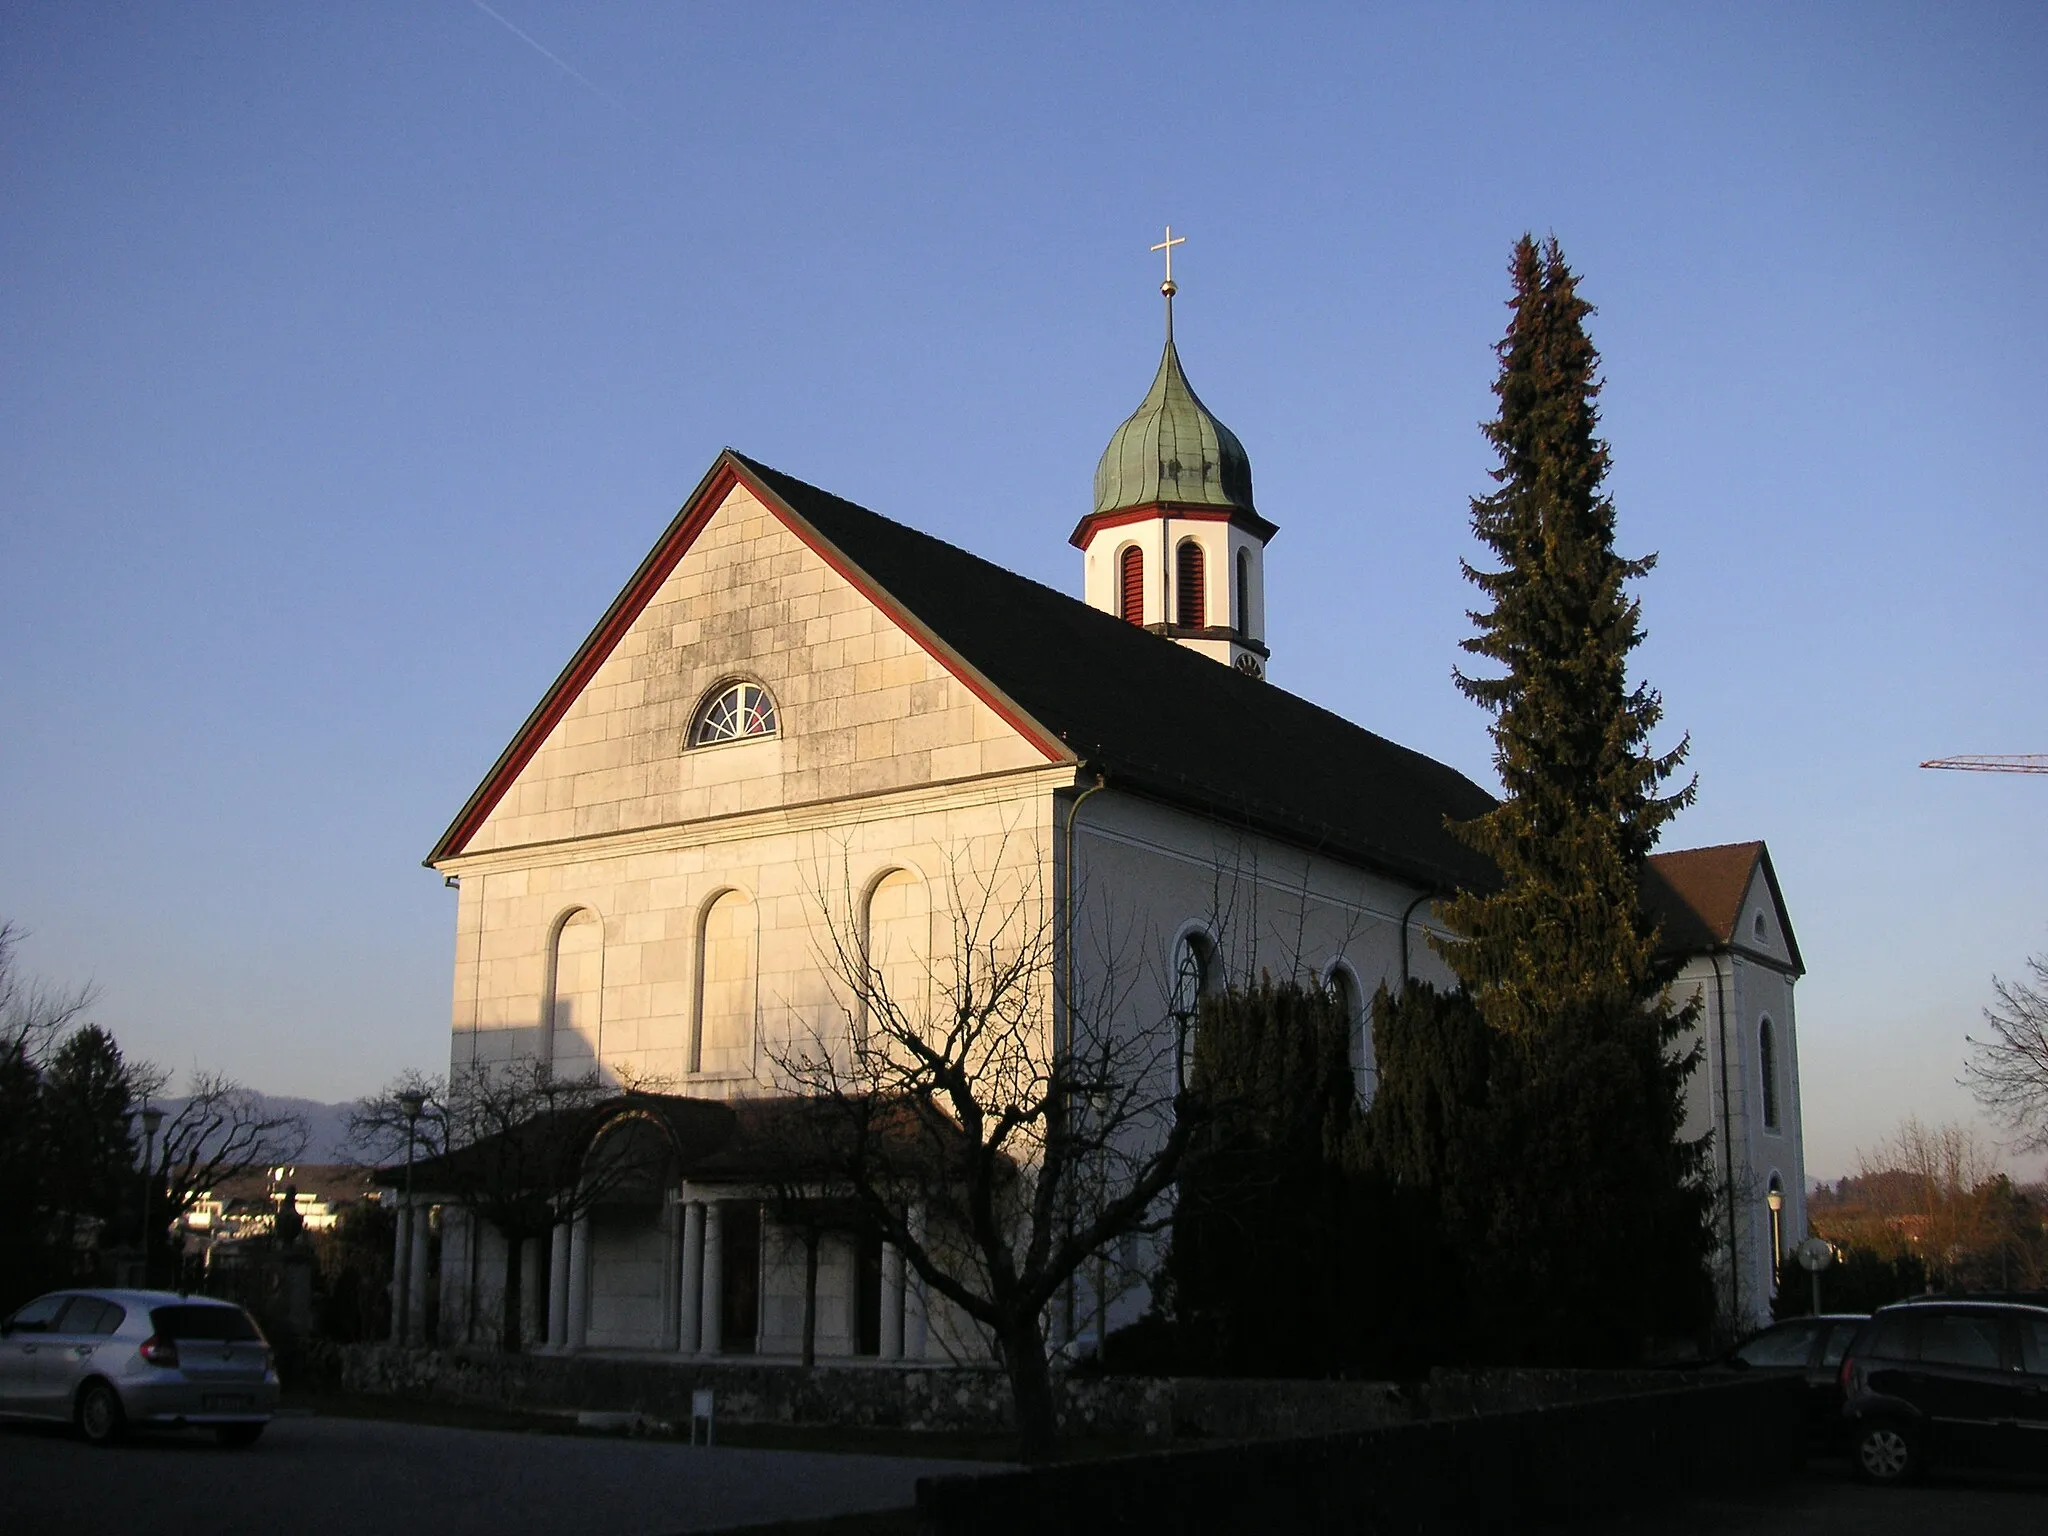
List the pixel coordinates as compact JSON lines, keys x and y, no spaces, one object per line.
{"x":2011,"y":762}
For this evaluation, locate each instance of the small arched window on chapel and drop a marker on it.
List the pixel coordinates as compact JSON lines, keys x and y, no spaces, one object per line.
{"x":1191,"y":609}
{"x":1244,"y":592}
{"x":1130,"y":577}
{"x":1365,"y":1067}
{"x":1767,"y":1063}
{"x":733,"y":713}
{"x":1194,"y":971}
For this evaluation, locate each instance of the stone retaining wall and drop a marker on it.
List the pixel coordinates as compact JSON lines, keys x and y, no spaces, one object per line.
{"x":869,"y":1396}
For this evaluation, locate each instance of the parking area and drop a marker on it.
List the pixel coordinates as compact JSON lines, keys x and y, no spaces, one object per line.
{"x":341,"y":1477}
{"x":1828,"y":1498}
{"x":316,"y":1476}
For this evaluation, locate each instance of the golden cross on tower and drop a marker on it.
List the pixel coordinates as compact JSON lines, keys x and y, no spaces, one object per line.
{"x":1167,"y":246}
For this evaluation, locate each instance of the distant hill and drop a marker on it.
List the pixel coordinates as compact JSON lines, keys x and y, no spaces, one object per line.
{"x":326,"y":1124}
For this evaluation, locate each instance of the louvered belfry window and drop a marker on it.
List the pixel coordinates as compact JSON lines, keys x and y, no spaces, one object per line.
{"x":1190,"y":610}
{"x":1131,"y":584}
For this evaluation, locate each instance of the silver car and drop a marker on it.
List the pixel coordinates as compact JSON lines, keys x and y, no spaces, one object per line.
{"x":105,"y":1360}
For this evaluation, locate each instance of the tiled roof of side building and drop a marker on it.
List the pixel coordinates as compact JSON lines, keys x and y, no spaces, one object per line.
{"x":1157,"y":718}
{"x":1696,"y":895}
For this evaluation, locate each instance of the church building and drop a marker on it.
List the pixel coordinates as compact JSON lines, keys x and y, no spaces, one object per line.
{"x":796,"y":706}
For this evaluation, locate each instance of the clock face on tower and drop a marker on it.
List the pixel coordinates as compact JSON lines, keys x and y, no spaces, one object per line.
{"x":1249,"y":666}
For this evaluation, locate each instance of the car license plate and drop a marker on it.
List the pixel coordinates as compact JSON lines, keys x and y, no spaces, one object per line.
{"x":224,"y":1402}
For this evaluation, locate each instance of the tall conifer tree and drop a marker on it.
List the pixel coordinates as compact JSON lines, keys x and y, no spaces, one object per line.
{"x":1593,"y":1181}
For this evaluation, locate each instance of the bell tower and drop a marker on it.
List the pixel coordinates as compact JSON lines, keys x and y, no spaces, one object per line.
{"x":1174,"y":543}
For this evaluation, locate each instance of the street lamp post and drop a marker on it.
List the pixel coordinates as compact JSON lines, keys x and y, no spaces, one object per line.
{"x":411,"y":1104}
{"x":149,"y":1119}
{"x":1776,"y":1201}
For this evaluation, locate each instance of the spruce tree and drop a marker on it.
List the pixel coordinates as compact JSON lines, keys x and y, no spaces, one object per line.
{"x":1594,"y":1233}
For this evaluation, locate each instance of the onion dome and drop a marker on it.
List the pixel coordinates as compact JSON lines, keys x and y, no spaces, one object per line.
{"x":1172,"y":450}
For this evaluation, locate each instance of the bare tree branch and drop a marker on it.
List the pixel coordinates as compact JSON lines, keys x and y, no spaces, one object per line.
{"x":1032,"y":1124}
{"x":2008,"y":1071}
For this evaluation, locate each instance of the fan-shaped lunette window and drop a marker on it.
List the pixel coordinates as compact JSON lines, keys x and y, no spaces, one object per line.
{"x":734,"y":712}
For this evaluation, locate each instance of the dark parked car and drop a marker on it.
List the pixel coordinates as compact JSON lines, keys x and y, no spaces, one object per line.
{"x":1813,"y":1346}
{"x":104,"y":1360}
{"x":1948,"y":1382}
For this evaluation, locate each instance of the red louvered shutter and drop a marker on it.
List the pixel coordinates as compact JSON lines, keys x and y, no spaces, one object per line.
{"x":1191,"y":610}
{"x":1131,"y":575}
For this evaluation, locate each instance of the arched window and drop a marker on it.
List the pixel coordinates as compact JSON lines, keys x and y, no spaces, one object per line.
{"x":1767,"y":1063}
{"x":575,"y":994}
{"x":1194,"y":978}
{"x":1344,"y":996}
{"x":732,"y":713}
{"x":723,"y":1040}
{"x":1244,"y":592}
{"x":898,"y":938}
{"x":1130,"y":576}
{"x":1190,"y":607}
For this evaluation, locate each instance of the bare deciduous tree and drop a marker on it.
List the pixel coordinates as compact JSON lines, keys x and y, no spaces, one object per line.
{"x":32,"y":1012}
{"x":1031,"y":1117}
{"x":2008,"y":1072}
{"x":218,"y":1131}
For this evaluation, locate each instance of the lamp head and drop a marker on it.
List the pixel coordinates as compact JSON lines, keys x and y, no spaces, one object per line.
{"x":1775,"y":1200}
{"x":150,"y":1119}
{"x":411,"y":1103}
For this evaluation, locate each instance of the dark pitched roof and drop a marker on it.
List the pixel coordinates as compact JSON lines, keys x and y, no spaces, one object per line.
{"x":1157,"y":718}
{"x":1696,"y":895}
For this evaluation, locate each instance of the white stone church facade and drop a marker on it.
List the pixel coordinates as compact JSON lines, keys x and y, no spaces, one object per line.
{"x":796,"y":708}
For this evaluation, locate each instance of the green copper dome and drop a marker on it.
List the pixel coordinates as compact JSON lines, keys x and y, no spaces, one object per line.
{"x":1173,"y":450}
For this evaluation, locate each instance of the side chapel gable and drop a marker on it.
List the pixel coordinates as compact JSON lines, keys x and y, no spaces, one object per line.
{"x":740,"y":588}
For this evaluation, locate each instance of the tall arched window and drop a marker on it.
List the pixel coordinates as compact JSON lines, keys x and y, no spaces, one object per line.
{"x":723,"y":1040}
{"x":575,"y":987}
{"x":1130,"y":576}
{"x":1244,"y":592}
{"x":898,"y":935}
{"x":1194,"y":978}
{"x":1344,"y":996}
{"x":1190,"y":601}
{"x":1767,"y":1063}
{"x":733,"y":712}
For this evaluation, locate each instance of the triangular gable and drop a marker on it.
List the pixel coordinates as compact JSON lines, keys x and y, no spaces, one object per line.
{"x":726,"y":474}
{"x":1700,"y":897}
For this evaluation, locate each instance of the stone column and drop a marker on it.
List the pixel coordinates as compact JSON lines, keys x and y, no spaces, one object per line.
{"x":455,"y":1261}
{"x":558,"y":1285}
{"x":416,"y":1280}
{"x":401,"y":1252}
{"x":916,"y":1314}
{"x":579,"y":1282}
{"x":711,"y":1331}
{"x":671,"y":1269}
{"x":690,"y":1302}
{"x":533,"y":1306}
{"x":892,"y":1302}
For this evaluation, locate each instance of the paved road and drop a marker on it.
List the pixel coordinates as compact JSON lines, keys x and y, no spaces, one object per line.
{"x":1828,"y":1499}
{"x":348,"y":1477}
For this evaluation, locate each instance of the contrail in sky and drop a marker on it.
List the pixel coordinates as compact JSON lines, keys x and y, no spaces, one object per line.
{"x":562,"y":64}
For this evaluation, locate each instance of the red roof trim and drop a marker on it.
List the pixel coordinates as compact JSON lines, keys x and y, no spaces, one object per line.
{"x":675,"y":542}
{"x":1184,"y":512}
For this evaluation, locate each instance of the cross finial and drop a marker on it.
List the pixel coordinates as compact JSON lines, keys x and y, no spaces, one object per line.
{"x":1167,"y":246}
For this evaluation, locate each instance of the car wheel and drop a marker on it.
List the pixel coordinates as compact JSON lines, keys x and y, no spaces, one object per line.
{"x":100,"y":1418}
{"x":1886,"y":1453}
{"x":234,"y":1436}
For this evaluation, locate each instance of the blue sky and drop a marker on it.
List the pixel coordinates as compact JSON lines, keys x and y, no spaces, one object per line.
{"x":356,"y":353}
